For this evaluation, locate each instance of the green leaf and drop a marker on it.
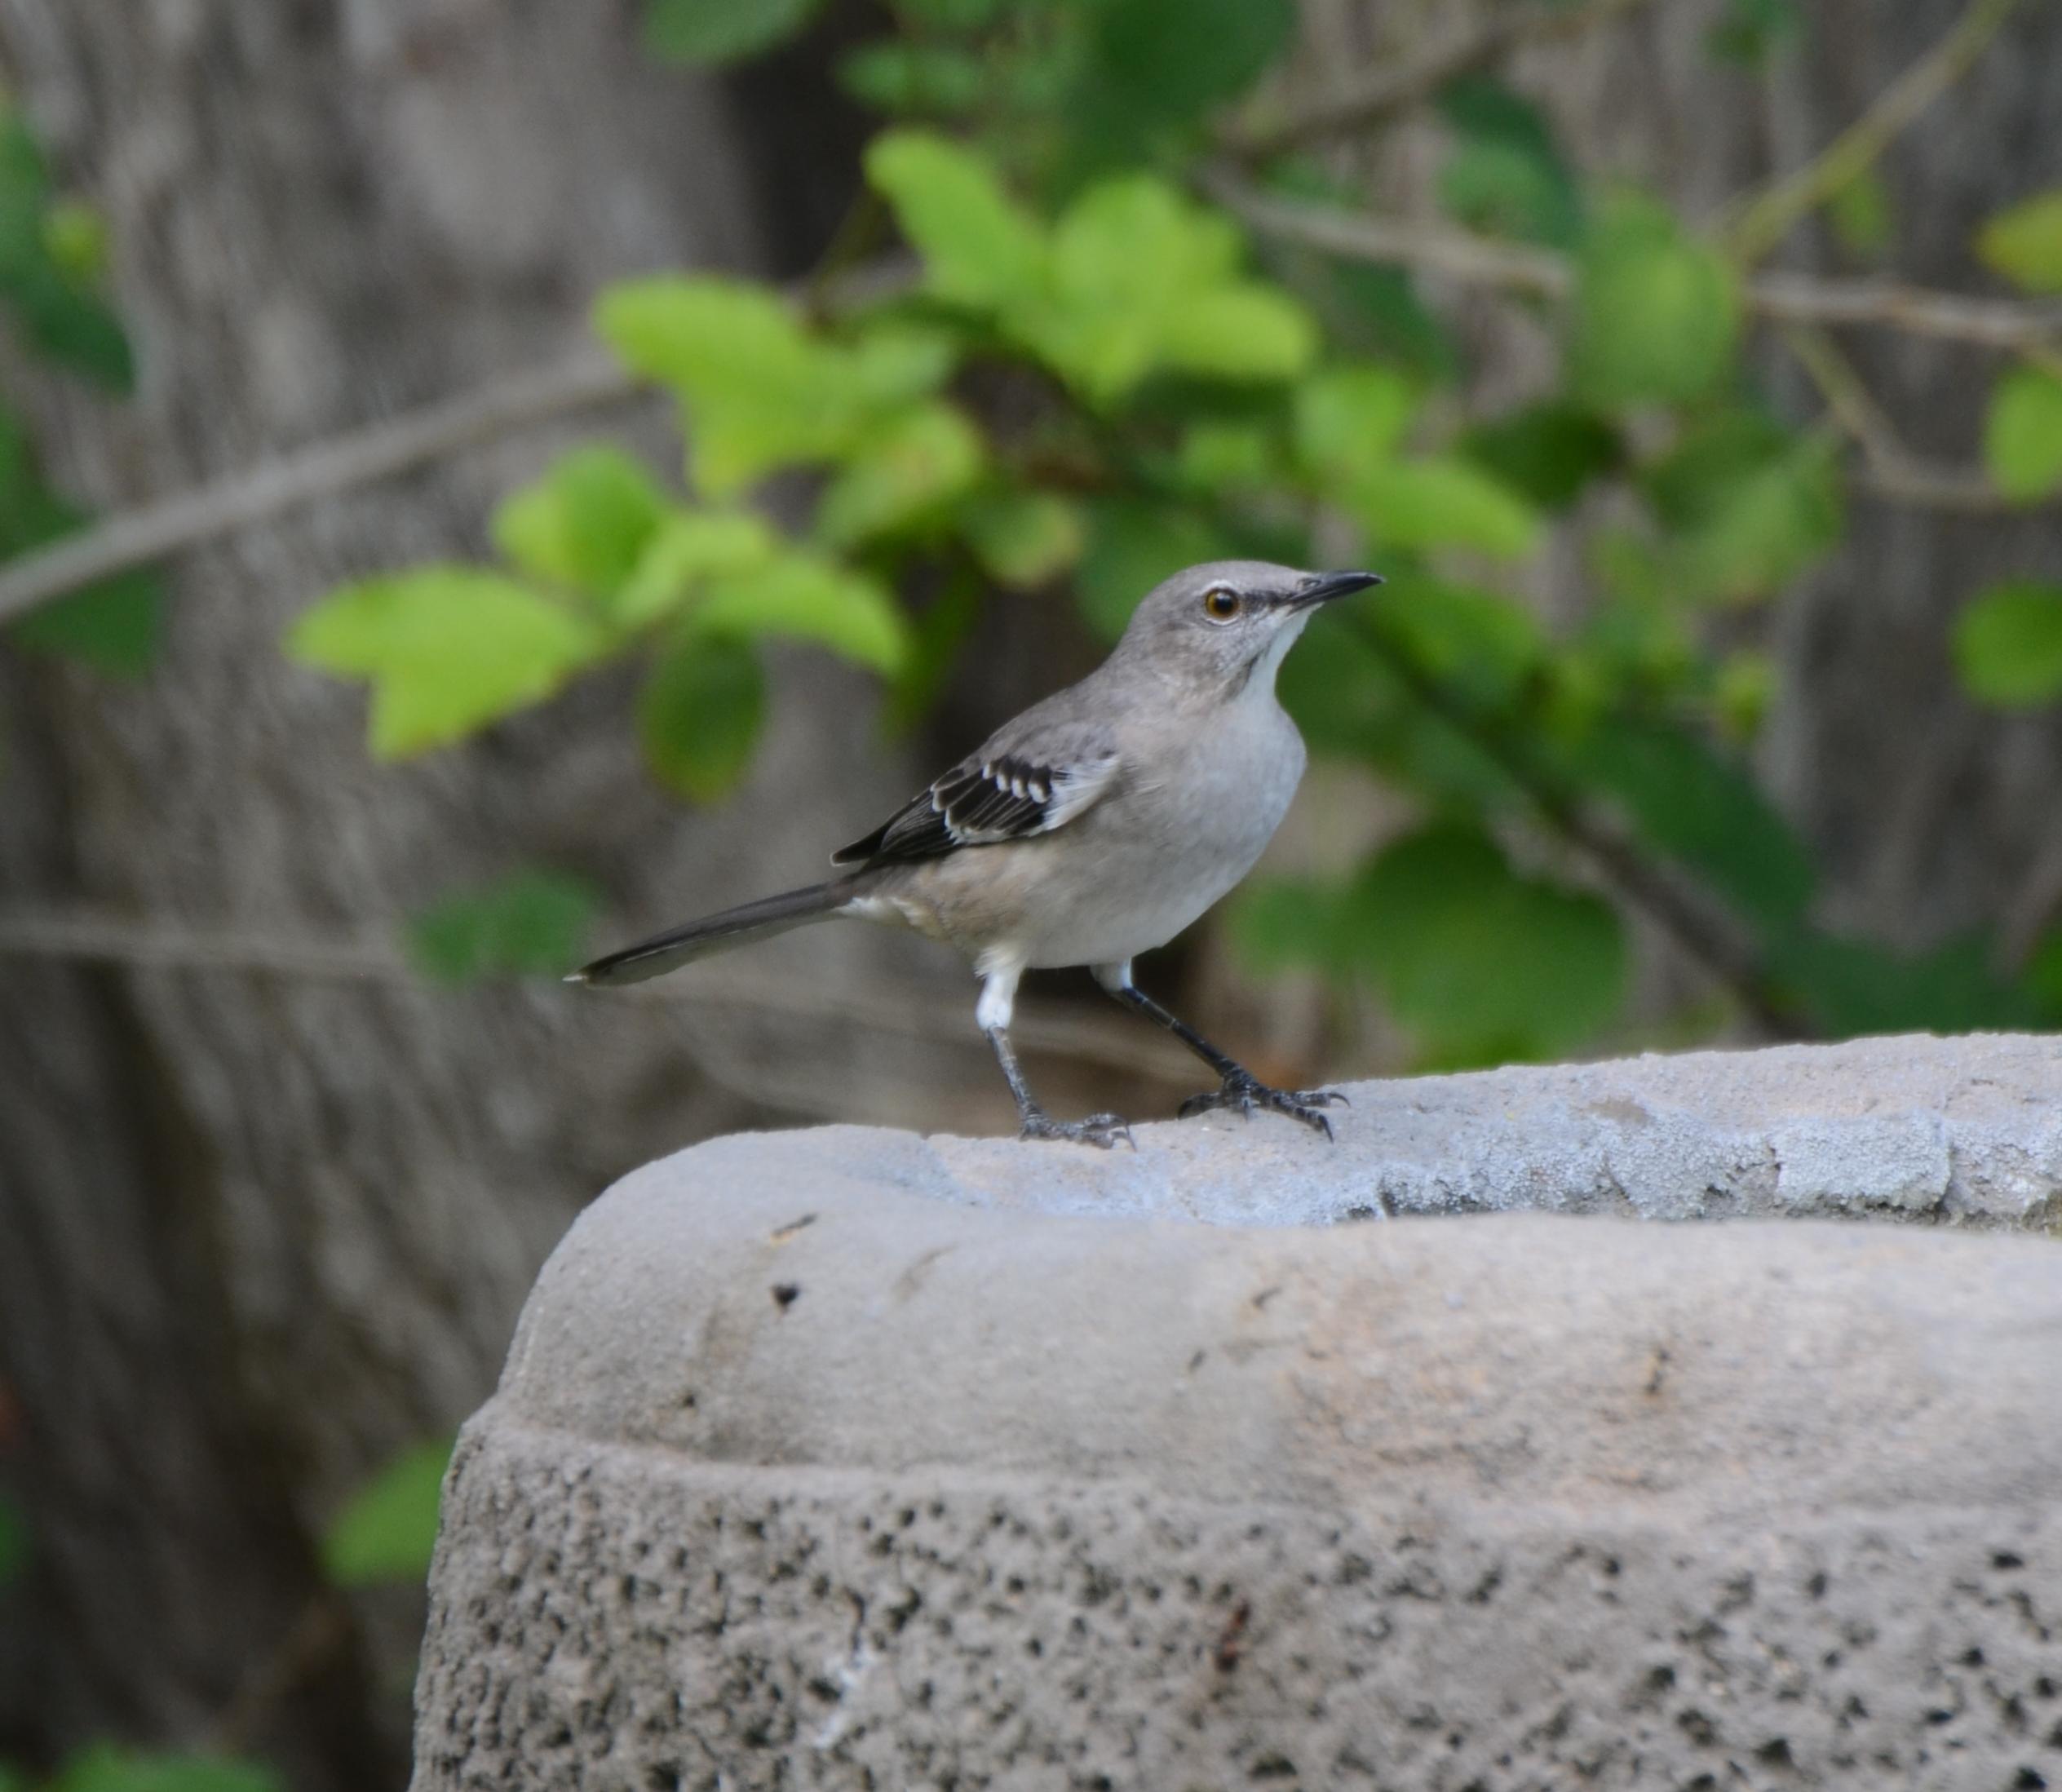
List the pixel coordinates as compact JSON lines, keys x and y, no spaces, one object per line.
{"x":1505,"y":175}
{"x":1753,"y":505}
{"x":447,"y":649}
{"x":1162,"y":63}
{"x":978,"y":247}
{"x":1777,"y":523}
{"x":1862,"y":215}
{"x":1023,"y":538}
{"x":1242,"y":331}
{"x":1479,"y":962}
{"x":716,"y":31}
{"x":585,"y":524}
{"x":2022,"y":440}
{"x":1225,"y":457}
{"x":530,"y":924}
{"x":700,"y":714}
{"x":914,"y":79}
{"x":76,"y":239}
{"x":1655,"y":315}
{"x":388,"y":1529}
{"x":1132,"y":545}
{"x":72,"y":327}
{"x":1350,"y":419}
{"x":2024,"y":243}
{"x":115,"y":627}
{"x":1442,"y":501}
{"x":1548,"y":452}
{"x":902,"y":474}
{"x":1753,"y":30}
{"x":894,"y":363}
{"x":104,"y":1767}
{"x":1144,"y":279}
{"x":803,"y":597}
{"x":1392,"y":320}
{"x":1743,"y":689}
{"x":58,"y":312}
{"x":760,"y":392}
{"x":1692,"y":483}
{"x":1701,"y":808}
{"x":688,"y":547}
{"x":2008,"y":645}
{"x":1500,"y":190}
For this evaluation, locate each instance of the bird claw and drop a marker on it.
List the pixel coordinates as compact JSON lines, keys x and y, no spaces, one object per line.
{"x":1246,"y":1093}
{"x":1100,"y":1130}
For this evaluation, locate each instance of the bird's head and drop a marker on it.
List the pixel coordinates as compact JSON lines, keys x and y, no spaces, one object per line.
{"x":1222,"y":626}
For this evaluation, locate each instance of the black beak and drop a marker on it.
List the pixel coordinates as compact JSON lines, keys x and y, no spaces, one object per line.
{"x":1322,"y":587}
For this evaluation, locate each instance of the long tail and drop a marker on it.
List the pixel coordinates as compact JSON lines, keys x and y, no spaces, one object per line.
{"x":759,"y":920}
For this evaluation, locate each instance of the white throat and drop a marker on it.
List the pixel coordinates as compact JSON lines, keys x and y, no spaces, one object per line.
{"x":1260,"y":684}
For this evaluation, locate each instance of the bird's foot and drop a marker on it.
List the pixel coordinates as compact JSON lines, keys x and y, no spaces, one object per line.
{"x":1244,"y":1091}
{"x":1103,"y":1129}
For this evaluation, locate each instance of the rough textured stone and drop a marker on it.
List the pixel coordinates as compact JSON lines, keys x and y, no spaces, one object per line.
{"x":823,"y":1459}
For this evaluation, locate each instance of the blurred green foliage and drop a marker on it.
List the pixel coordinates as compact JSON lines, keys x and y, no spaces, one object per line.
{"x":1092,"y":379}
{"x":2024,"y":243}
{"x":53,"y":263}
{"x":106,"y":1768}
{"x":387,"y":1530}
{"x":530,"y":924}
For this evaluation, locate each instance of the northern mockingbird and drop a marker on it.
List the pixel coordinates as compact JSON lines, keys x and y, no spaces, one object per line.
{"x":1095,"y":826}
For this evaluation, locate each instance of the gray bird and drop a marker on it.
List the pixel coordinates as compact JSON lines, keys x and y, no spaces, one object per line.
{"x":1095,"y":826}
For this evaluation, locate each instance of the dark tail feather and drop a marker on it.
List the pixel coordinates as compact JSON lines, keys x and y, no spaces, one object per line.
{"x":760,"y":920}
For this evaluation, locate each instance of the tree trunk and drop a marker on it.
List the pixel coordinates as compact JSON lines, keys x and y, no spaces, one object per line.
{"x":1931,"y":817}
{"x":261,"y":1230}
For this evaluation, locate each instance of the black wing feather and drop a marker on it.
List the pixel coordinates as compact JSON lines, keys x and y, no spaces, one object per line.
{"x":981,"y":803}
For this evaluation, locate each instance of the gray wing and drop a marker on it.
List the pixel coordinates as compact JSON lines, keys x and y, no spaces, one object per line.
{"x":1040,"y":780}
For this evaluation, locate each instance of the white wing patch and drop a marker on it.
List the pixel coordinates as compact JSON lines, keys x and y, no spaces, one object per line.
{"x":1076,"y":789}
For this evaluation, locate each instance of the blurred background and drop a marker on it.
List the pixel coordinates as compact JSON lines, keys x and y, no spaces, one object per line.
{"x":371,"y":651}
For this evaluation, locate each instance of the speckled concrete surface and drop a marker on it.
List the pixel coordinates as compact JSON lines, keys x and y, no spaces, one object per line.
{"x":825,"y":1460}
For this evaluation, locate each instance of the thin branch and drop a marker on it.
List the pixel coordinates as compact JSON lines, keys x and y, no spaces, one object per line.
{"x":1917,"y":310}
{"x":1782,"y":298}
{"x":1889,"y":468}
{"x":1762,"y":221}
{"x":328,"y":469}
{"x":1385,"y":92}
{"x":1796,"y":299}
{"x":322,"y":1628}
{"x":151,"y":947}
{"x":1437,"y":249}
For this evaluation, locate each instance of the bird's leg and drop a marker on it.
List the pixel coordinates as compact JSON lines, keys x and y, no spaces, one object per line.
{"x":998,"y":996}
{"x":1239,"y":1087}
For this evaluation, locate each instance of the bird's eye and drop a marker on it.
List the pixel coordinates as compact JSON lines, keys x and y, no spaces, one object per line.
{"x":1220,"y":604}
